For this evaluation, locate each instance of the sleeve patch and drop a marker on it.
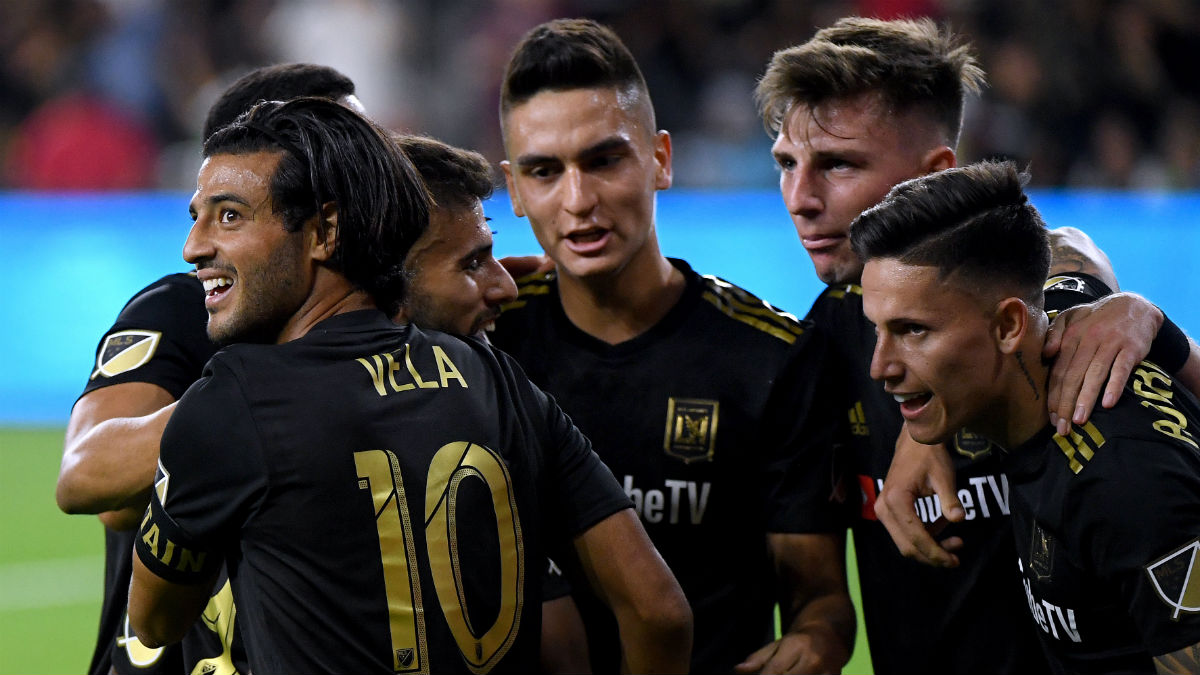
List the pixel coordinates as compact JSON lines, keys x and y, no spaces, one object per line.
{"x":1176,"y":580}
{"x":126,"y":350}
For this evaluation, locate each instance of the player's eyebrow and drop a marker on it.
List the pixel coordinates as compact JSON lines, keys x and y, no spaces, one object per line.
{"x":226,"y":197}
{"x":480,"y":250}
{"x":217,"y":199}
{"x":606,"y":145}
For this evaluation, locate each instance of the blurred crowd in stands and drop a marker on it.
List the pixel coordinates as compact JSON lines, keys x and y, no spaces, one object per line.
{"x":111,"y":94}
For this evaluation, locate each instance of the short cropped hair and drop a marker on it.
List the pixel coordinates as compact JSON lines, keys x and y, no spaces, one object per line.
{"x":333,"y":154}
{"x":974,"y":220}
{"x":280,"y":82}
{"x":910,"y":63}
{"x":455,"y":177}
{"x":569,"y":54}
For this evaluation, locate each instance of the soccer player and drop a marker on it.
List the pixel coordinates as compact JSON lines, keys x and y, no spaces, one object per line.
{"x":686,"y":384}
{"x":155,"y":349}
{"x":457,"y":286}
{"x":861,"y":106}
{"x":1105,"y":516}
{"x":382,"y":495}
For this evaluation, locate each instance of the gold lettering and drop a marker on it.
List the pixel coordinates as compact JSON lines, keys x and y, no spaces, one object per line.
{"x":190,"y":561}
{"x":413,"y":371}
{"x":376,"y":373}
{"x":168,"y":552}
{"x":1144,"y":385}
{"x":446,"y":368}
{"x":393,"y":368}
{"x":151,"y":539}
{"x":1174,"y":427}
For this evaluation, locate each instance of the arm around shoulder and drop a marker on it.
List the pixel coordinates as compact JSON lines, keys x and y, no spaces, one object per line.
{"x":627,"y":572}
{"x":111,"y":448}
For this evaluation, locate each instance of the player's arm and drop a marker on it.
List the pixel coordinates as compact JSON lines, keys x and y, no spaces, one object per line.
{"x":161,"y":611}
{"x":628,"y":574}
{"x":1185,"y":661}
{"x":920,"y":470}
{"x":111,"y":450}
{"x":564,"y":638}
{"x":815,"y":607}
{"x":1098,"y":344}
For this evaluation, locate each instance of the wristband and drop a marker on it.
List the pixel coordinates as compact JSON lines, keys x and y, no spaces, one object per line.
{"x":1170,"y":348}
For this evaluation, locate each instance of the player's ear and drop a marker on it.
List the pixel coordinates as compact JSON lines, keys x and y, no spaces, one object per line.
{"x":939,"y":159}
{"x":1010,"y":322}
{"x":663,"y":173}
{"x":325,"y":232}
{"x":513,"y":195}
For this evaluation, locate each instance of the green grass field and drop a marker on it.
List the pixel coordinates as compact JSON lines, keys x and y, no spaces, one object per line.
{"x":52,"y":566}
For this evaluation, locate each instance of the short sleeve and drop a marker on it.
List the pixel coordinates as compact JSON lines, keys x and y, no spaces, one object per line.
{"x":579,"y":490}
{"x":210,"y":477}
{"x":159,"y":337}
{"x":803,"y":486}
{"x":1143,"y":536}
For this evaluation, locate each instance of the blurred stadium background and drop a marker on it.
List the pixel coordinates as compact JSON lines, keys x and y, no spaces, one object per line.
{"x":101,"y":102}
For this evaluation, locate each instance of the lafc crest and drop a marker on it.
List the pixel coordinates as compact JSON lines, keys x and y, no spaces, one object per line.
{"x":1176,"y":579}
{"x":972,"y":445}
{"x":125,"y":350}
{"x":691,"y":429}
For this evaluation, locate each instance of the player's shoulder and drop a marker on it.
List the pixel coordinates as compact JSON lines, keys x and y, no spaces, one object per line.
{"x":744,"y":308}
{"x":170,"y":287}
{"x":533,"y":292}
{"x":1152,"y":412}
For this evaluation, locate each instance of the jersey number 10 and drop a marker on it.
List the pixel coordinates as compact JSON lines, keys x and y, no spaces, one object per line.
{"x":379,"y":472}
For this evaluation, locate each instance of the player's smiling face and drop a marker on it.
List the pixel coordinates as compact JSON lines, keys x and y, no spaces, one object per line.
{"x":839,"y":159}
{"x":251,"y":267}
{"x":458,"y":285}
{"x":934,"y":350}
{"x":584,"y":165}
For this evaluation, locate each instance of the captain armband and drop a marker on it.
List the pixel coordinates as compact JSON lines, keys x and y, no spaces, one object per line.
{"x":1170,"y":348}
{"x":166,"y":550}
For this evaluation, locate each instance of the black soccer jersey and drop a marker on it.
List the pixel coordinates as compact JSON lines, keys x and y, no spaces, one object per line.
{"x":921,"y":619}
{"x":381,"y":497}
{"x":158,"y":338}
{"x":697,"y":417}
{"x":1107,"y":525}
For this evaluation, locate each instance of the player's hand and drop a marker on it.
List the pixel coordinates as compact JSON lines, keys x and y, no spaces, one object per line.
{"x":1101,"y":340}
{"x":798,"y":652}
{"x":920,"y":470}
{"x":523,"y":265}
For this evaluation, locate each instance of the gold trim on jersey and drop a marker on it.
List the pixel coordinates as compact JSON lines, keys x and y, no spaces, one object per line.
{"x":691,"y":429}
{"x":1078,"y":447}
{"x":534,"y":284}
{"x":743,"y":306}
{"x":839,"y":291}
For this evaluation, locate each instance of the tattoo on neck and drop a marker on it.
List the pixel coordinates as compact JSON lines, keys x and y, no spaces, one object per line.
{"x":1028,"y":378}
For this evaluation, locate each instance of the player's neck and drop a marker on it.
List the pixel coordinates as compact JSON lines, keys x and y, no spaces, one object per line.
{"x":620,"y":306}
{"x":1027,"y":412}
{"x":332,"y":295}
